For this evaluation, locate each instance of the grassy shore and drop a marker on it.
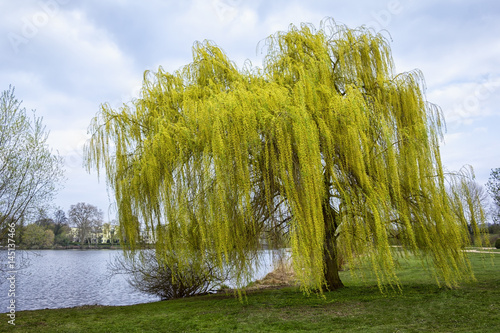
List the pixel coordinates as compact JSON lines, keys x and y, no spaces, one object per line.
{"x":360,"y":307}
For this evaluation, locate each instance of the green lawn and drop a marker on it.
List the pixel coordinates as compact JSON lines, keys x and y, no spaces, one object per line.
{"x":360,"y":307}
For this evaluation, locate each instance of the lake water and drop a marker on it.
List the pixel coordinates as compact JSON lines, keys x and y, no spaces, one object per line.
{"x":69,"y":278}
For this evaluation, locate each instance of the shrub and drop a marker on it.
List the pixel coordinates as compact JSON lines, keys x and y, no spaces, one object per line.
{"x":497,"y":243}
{"x":148,"y":274}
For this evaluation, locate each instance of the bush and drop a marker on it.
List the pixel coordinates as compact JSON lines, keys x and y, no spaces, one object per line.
{"x":148,"y":274}
{"x":497,"y":243}
{"x":494,"y":228}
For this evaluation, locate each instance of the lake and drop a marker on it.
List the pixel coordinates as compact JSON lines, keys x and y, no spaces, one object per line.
{"x":68,"y":278}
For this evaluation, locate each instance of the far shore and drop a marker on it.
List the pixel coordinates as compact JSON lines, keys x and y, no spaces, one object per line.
{"x":70,"y":247}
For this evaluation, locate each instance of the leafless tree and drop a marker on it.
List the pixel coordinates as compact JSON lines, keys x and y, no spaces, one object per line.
{"x":148,"y":273}
{"x":468,"y":201}
{"x":87,"y":218}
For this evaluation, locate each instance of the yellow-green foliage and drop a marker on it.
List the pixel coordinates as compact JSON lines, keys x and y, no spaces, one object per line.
{"x":212,"y":157}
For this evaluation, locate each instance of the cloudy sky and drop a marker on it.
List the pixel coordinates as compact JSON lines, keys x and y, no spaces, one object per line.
{"x":66,"y":57}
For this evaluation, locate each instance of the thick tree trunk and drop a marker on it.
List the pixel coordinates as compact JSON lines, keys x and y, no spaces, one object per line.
{"x":331,"y":272}
{"x":332,"y":277}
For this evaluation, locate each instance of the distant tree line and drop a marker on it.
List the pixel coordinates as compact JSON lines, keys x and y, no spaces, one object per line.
{"x":84,"y":227}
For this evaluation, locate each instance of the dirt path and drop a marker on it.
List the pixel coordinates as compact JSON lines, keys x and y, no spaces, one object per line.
{"x":477,"y":251}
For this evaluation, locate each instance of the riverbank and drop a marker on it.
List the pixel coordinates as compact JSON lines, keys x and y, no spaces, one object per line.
{"x":360,"y":307}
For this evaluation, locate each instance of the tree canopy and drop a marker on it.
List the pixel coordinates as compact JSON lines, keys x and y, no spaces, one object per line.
{"x":87,"y":219}
{"x":30,"y":173}
{"x":324,"y":149}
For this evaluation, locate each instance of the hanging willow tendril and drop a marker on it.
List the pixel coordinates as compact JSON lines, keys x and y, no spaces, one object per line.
{"x":324,"y":150}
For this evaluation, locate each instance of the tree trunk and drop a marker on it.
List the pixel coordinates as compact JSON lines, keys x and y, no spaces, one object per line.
{"x":330,"y":258}
{"x":332,"y":277}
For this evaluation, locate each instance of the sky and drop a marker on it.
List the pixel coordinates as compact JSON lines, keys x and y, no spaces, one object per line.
{"x":66,"y":57}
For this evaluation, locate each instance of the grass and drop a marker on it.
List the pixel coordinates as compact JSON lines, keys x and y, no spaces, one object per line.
{"x":360,"y":307}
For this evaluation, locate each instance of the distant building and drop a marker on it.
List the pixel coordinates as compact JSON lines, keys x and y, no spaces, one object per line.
{"x":109,"y":233}
{"x":73,"y":234}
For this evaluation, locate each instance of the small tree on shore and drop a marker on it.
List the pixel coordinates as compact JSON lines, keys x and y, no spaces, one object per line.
{"x":148,"y":273}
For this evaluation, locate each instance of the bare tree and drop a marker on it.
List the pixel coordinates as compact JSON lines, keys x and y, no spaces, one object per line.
{"x":30,"y":173}
{"x":60,"y":217}
{"x":149,"y":273}
{"x":87,"y":218}
{"x":61,"y":227}
{"x":468,"y":200}
{"x":493,"y":186}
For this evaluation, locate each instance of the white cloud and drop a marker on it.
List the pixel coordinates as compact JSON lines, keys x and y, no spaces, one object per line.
{"x":86,"y":52}
{"x":77,"y":66}
{"x":228,"y":19}
{"x":447,"y":48}
{"x":292,"y":13}
{"x":467,"y":102}
{"x":476,"y":147}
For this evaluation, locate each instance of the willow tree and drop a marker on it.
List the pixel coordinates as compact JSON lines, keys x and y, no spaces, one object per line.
{"x":324,"y":149}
